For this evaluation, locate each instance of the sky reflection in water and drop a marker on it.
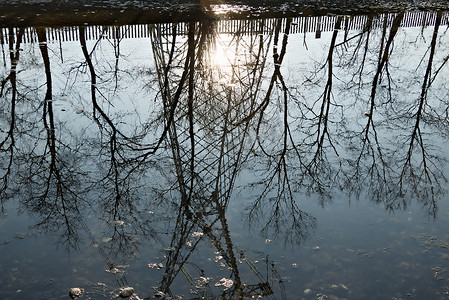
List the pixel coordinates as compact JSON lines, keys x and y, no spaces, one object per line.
{"x":198,"y":163}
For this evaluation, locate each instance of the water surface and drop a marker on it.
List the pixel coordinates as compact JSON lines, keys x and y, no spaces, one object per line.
{"x":282,"y":158}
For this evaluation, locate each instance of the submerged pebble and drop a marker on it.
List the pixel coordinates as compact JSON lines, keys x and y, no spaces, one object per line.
{"x":126,"y":292}
{"x":74,"y":293}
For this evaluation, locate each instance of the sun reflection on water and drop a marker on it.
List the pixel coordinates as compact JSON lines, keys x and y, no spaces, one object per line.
{"x":222,"y":56}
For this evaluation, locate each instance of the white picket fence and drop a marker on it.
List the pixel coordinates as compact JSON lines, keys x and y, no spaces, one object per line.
{"x":244,"y":27}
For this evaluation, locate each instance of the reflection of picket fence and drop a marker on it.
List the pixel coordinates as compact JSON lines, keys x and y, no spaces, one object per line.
{"x":245,"y":27}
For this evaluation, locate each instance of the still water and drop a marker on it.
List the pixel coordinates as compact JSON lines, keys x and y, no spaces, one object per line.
{"x":280,"y":158}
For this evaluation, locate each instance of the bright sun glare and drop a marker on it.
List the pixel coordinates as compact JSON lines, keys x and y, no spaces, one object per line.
{"x":222,"y":56}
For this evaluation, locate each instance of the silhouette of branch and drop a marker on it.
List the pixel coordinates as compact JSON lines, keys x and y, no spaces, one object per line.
{"x":377,"y":169}
{"x":53,"y":194}
{"x":423,"y":179}
{"x":7,"y":145}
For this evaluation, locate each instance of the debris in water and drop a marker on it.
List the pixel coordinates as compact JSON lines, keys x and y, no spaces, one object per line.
{"x":227,"y":283}
{"x":197,"y":234}
{"x":159,"y":294}
{"x":343,"y":286}
{"x":119,"y":222}
{"x":22,"y":236}
{"x":74,"y":293}
{"x":437,"y":271}
{"x":320,"y":296}
{"x":126,"y":292}
{"x":156,"y":265}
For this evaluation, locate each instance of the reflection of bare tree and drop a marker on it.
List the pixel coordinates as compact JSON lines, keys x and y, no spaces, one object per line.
{"x":319,"y":173}
{"x":300,"y":158}
{"x":393,"y":171}
{"x":118,"y":198}
{"x":281,"y":213}
{"x":100,"y":116}
{"x":7,"y":141}
{"x":207,"y":149}
{"x":370,"y":148}
{"x":116,"y":177}
{"x":374,"y":162}
{"x":52,"y":182}
{"x":192,"y":191}
{"x":423,"y":177}
{"x":322,"y":123}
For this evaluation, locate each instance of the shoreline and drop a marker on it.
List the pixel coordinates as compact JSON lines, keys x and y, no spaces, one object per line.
{"x":75,"y":13}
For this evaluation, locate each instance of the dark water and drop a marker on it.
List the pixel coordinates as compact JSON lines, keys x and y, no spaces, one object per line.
{"x":280,"y":158}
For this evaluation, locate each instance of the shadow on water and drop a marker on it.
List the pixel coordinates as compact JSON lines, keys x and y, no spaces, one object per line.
{"x":157,"y":129}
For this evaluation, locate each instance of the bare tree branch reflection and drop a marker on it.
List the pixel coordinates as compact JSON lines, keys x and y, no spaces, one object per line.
{"x":319,"y":173}
{"x":422,"y":177}
{"x":282,"y":214}
{"x":377,"y":169}
{"x":52,"y":181}
{"x":119,"y":198}
{"x":7,"y":143}
{"x":405,"y":167}
{"x":207,"y":154}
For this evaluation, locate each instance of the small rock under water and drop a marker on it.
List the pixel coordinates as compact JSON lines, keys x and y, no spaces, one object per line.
{"x":126,"y":292}
{"x":74,"y":293}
